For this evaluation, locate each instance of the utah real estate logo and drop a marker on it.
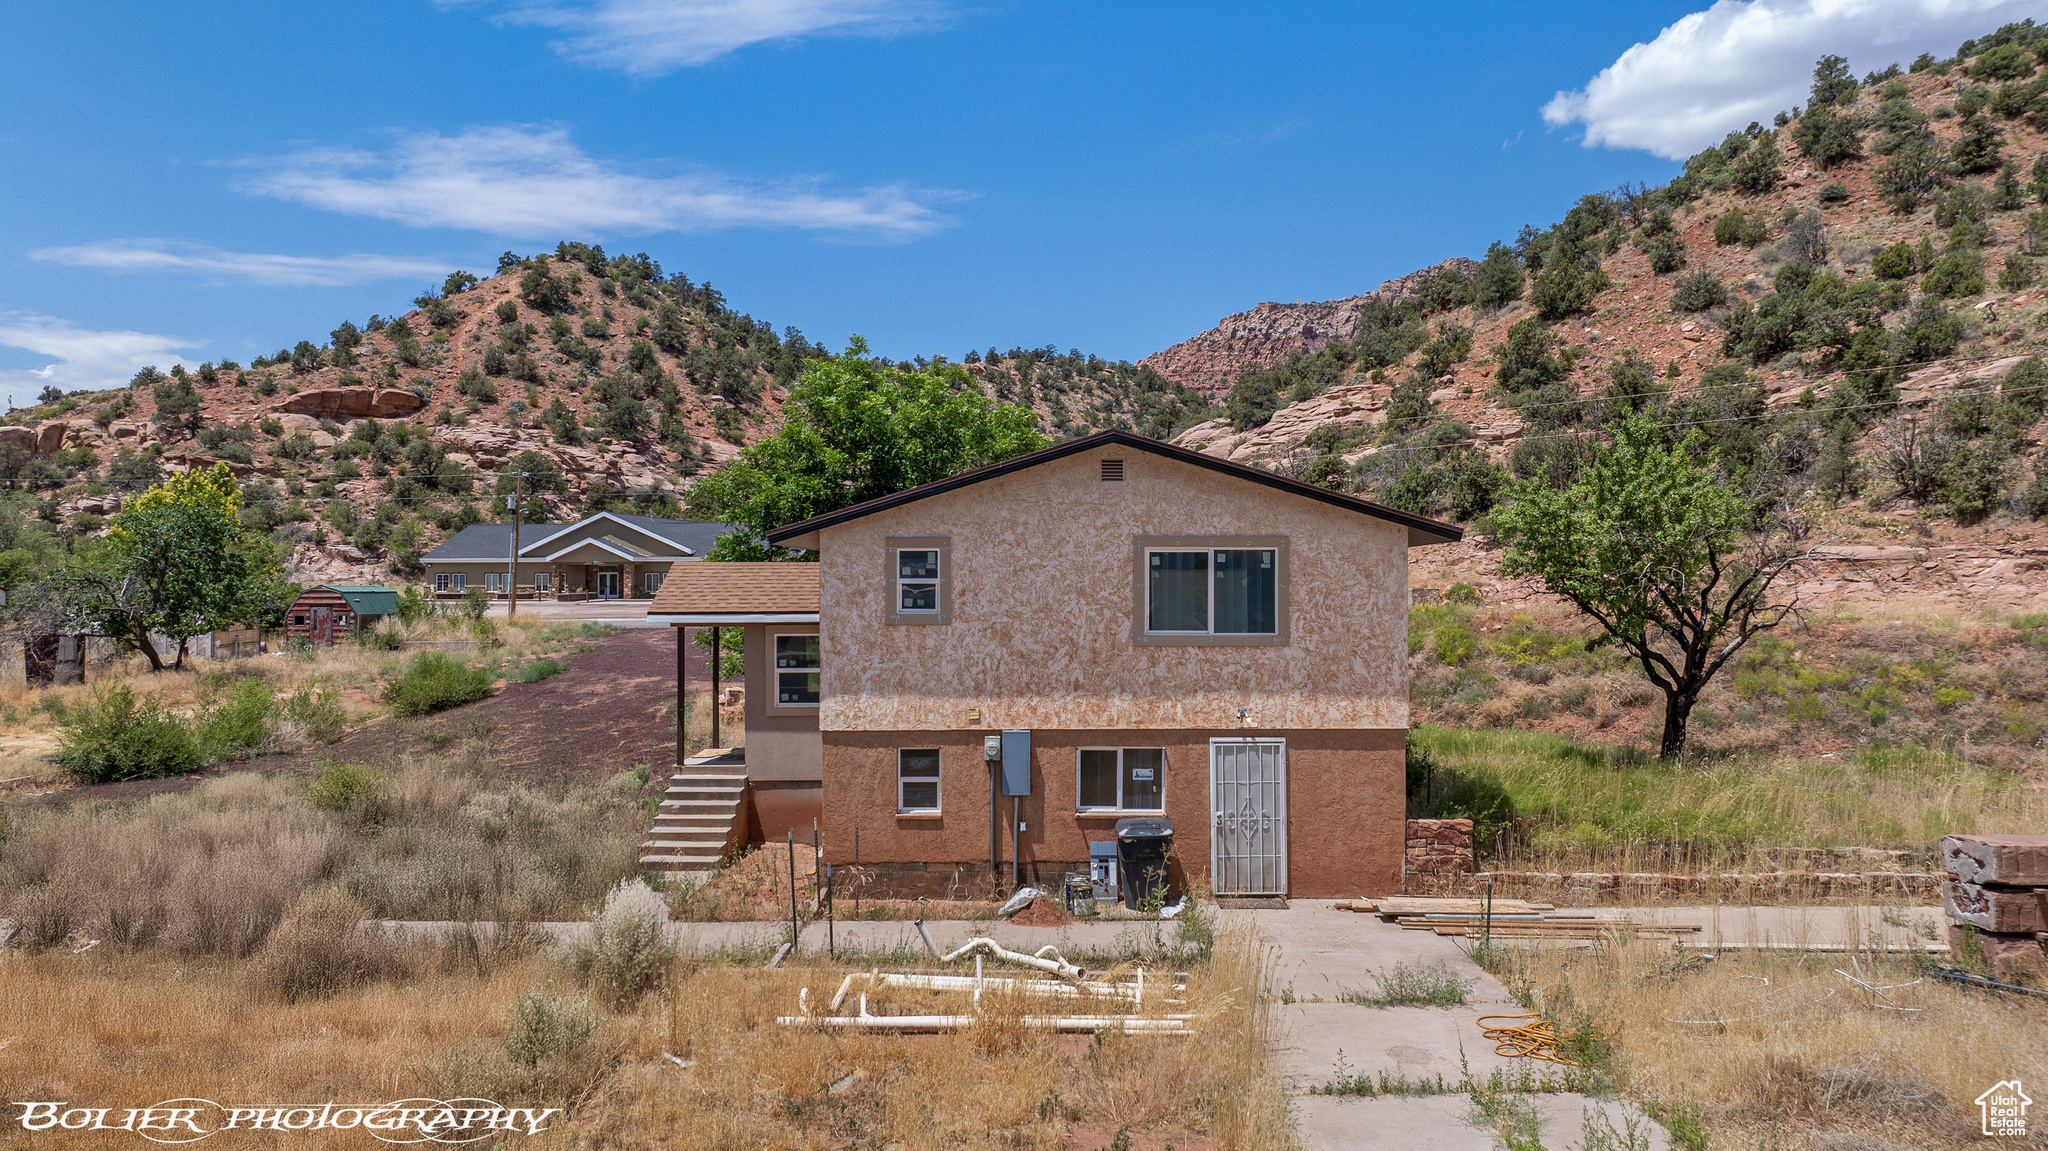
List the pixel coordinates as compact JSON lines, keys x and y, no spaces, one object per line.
{"x":2004,"y":1109}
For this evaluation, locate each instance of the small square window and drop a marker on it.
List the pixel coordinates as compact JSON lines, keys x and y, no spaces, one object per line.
{"x":920,"y":580}
{"x":917,"y":780}
{"x":651,"y":581}
{"x":799,"y":674}
{"x":917,"y":580}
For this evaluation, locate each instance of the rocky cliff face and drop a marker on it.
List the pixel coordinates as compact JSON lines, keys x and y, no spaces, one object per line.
{"x":1269,"y":333}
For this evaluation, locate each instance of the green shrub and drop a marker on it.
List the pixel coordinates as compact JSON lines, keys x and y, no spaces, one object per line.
{"x":341,"y":786}
{"x":1667,"y":253}
{"x":1455,"y":641}
{"x":114,"y":736}
{"x":1894,"y":263}
{"x":238,"y":723}
{"x":1834,"y":192}
{"x":545,"y":1027}
{"x":541,"y":669}
{"x":435,"y":682}
{"x":1959,"y":272}
{"x":1698,"y":291}
{"x":2018,"y":274}
{"x":1461,"y":593}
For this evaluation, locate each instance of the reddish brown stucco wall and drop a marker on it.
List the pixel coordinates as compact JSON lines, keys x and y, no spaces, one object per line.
{"x":1346,"y":803}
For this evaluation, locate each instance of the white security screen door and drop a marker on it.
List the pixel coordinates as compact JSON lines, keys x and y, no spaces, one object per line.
{"x":1248,"y":801}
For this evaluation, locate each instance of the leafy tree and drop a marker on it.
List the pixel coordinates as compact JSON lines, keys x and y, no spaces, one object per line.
{"x":855,"y":430}
{"x":1959,"y":272}
{"x":1527,"y":362}
{"x":1655,"y":547}
{"x":1977,"y":149}
{"x":1565,"y":285}
{"x":1667,"y":253}
{"x":544,"y":292}
{"x":457,"y":283}
{"x":176,"y":561}
{"x":1757,"y":170}
{"x":1833,"y":83}
{"x":177,"y":401}
{"x":1499,"y":278}
{"x":1894,"y":263}
{"x":1827,"y":137}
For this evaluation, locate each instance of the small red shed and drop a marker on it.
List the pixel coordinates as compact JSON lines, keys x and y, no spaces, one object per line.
{"x":325,"y":613}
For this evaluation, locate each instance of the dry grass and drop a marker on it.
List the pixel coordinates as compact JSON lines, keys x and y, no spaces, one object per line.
{"x":126,"y":1029}
{"x":1779,"y":1051}
{"x":998,"y":1085}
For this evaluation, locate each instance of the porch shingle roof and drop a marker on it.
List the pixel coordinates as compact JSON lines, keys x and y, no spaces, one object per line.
{"x":702,"y":590}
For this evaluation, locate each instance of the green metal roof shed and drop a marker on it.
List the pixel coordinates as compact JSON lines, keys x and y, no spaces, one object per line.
{"x":366,"y":599}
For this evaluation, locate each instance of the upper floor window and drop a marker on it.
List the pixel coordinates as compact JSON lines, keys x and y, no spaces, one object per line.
{"x":920,"y":579}
{"x":1209,"y":591}
{"x":1215,"y":591}
{"x":799,"y":674}
{"x":917,"y":580}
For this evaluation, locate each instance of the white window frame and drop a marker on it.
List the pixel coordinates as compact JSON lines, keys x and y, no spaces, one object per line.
{"x":494,"y":581}
{"x":775,"y":669}
{"x":441,"y":581}
{"x":460,"y":580}
{"x":541,"y":582}
{"x":1120,"y":808}
{"x":651,"y":581}
{"x":942,"y":612}
{"x":937,"y":781}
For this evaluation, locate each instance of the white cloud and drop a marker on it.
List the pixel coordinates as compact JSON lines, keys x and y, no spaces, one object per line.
{"x":80,"y":357}
{"x":534,"y":182}
{"x":1715,"y":71}
{"x":652,"y":37}
{"x":253,"y":267}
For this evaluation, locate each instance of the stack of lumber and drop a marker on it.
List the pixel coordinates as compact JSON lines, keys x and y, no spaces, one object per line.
{"x":1507,"y":919}
{"x":1997,"y":899}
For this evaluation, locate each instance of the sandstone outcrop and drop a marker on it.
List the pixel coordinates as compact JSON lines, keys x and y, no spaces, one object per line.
{"x":1269,"y":333}
{"x":351,"y":403}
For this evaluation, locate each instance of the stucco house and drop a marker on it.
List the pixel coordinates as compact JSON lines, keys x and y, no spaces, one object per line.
{"x":607,"y":556}
{"x":1009,"y":661}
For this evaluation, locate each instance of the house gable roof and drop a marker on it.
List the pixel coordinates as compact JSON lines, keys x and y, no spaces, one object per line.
{"x":1421,"y":529}
{"x":734,"y":593}
{"x":492,"y":543}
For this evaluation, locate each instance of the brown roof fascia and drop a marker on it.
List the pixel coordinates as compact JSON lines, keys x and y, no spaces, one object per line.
{"x":1421,"y":529}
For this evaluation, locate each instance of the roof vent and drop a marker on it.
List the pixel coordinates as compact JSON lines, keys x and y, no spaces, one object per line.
{"x":1112,"y":471}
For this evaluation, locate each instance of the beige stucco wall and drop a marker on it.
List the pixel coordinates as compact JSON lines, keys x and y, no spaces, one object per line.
{"x":1042,"y":588}
{"x":782,"y":743}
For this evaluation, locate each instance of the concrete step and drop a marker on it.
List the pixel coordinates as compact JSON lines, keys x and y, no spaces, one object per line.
{"x":682,"y":862}
{"x":706,"y":805}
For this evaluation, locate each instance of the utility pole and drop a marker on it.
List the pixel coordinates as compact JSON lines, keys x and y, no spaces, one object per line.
{"x":512,"y":562}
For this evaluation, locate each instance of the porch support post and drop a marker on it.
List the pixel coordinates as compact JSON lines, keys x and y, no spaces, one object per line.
{"x":683,"y":672}
{"x":717,"y":678}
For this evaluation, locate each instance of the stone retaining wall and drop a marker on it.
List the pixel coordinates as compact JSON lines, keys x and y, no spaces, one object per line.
{"x":1591,"y":888}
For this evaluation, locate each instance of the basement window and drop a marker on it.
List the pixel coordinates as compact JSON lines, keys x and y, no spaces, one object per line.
{"x":917,"y":780}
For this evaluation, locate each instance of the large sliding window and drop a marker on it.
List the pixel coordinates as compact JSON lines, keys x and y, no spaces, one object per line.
{"x":1212,"y":591}
{"x":799,"y":671}
{"x":1121,"y":779}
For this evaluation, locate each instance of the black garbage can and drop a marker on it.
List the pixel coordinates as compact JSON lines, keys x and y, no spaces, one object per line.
{"x":1141,"y":846}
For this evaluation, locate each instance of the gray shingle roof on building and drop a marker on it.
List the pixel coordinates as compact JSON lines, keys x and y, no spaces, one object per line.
{"x":485,"y":542}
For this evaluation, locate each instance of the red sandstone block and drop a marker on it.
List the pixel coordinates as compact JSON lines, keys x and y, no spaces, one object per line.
{"x":1993,"y":910}
{"x":2010,"y":860}
{"x":2014,"y":957}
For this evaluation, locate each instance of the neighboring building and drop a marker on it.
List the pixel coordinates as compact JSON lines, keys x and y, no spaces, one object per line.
{"x":1147,"y":631}
{"x":326,"y":613}
{"x":608,"y":556}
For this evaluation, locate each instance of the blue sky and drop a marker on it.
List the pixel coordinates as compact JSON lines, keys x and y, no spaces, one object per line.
{"x":208,"y":181}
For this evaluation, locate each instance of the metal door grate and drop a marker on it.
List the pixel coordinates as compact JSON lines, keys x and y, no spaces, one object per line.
{"x":1248,"y":802}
